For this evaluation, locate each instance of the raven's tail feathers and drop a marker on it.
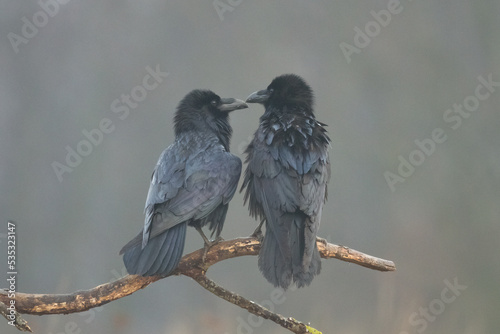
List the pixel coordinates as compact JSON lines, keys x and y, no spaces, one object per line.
{"x":303,"y":262}
{"x":273,"y":266}
{"x":306,"y":261}
{"x":304,"y":274}
{"x":160,"y":256}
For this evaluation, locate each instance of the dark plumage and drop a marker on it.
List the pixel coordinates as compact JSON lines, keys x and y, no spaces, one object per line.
{"x":192,"y":183}
{"x":286,"y":180}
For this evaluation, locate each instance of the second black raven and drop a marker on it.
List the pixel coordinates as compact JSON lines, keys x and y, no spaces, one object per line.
{"x":286,"y":180}
{"x":192,"y":183}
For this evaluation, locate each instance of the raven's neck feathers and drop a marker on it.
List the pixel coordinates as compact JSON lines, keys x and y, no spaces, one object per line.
{"x":293,"y":126}
{"x":222,"y":129}
{"x":216,"y":126}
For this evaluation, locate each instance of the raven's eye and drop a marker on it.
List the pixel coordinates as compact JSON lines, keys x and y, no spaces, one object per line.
{"x":214,"y":103}
{"x":271,"y":90}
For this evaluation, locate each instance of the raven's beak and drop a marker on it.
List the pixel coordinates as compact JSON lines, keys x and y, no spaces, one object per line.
{"x":231,"y":104}
{"x":259,"y":96}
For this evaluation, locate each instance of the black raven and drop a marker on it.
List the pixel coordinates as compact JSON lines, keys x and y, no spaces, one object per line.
{"x":286,"y":180}
{"x":192,"y":183}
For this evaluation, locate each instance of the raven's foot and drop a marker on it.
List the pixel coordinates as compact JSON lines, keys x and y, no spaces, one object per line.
{"x":209,"y":244}
{"x":323,"y":241}
{"x":257,"y":234}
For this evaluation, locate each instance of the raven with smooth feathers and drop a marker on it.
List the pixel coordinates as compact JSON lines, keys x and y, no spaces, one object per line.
{"x":286,"y":180}
{"x":192,"y":183}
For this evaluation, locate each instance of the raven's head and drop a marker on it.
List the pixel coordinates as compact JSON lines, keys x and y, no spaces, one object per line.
{"x":203,"y":110}
{"x":200,"y":107}
{"x":286,"y":90}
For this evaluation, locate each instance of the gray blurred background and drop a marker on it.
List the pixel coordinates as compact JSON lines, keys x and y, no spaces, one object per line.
{"x":440,"y":226}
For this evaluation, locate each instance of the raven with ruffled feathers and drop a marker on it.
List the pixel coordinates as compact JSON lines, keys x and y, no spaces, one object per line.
{"x":286,"y":180}
{"x":192,"y":184}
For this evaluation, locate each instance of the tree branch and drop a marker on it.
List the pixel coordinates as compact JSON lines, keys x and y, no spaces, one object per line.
{"x":190,"y":265}
{"x":290,"y":323}
{"x":13,"y":317}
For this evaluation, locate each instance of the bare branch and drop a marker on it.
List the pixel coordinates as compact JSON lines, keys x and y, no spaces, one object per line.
{"x":13,"y":317}
{"x":347,"y":254}
{"x":191,"y":265}
{"x":290,"y":323}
